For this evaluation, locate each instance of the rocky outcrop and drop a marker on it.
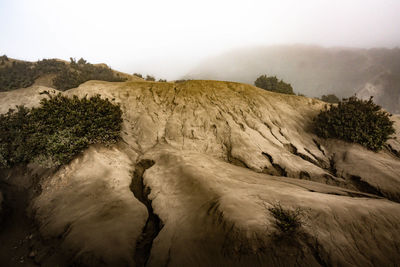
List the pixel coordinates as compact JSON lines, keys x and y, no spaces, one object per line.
{"x":198,"y":167}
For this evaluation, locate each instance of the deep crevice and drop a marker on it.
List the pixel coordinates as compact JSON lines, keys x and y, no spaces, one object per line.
{"x":393,"y":151}
{"x":319,"y":147}
{"x":358,"y":183}
{"x":332,"y":165}
{"x":281,"y":133}
{"x":292,"y":149}
{"x":318,"y":252}
{"x":272,"y":133}
{"x":277,"y":169}
{"x":153,"y":224}
{"x":233,"y":160}
{"x":321,"y":163}
{"x":304,"y":175}
{"x":364,"y":186}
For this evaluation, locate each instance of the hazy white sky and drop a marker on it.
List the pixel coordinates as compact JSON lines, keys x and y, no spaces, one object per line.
{"x":167,"y":38}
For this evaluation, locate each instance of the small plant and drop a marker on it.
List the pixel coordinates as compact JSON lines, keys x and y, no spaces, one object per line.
{"x":287,"y":221}
{"x":162,"y":80}
{"x":356,"y":121}
{"x":138,"y":75}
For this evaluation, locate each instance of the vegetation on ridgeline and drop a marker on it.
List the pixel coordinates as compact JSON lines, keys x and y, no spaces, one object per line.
{"x":356,"y":121}
{"x":273,"y":84}
{"x":17,"y":75}
{"x":82,"y":71}
{"x":21,"y":74}
{"x":53,"y":133}
{"x":3,"y":59}
{"x":182,"y":80}
{"x":150,"y":78}
{"x":331,"y":98}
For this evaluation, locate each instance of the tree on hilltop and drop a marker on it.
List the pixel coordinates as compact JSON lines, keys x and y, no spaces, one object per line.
{"x":273,"y":84}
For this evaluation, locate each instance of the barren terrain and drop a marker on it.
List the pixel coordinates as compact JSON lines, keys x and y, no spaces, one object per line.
{"x":192,"y":180}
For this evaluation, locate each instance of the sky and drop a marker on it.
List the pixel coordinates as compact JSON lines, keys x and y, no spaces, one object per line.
{"x":168,"y":38}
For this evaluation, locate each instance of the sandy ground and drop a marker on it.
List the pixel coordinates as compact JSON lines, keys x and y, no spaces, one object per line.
{"x":199,"y":165}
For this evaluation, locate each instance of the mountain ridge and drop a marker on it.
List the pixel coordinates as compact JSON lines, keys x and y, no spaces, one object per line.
{"x":314,"y":70}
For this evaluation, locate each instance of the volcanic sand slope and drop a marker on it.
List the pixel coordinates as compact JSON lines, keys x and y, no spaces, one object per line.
{"x":180,"y":144}
{"x":90,"y":204}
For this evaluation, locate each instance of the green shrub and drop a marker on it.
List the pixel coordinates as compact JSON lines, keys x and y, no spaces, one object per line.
{"x":287,"y":221}
{"x":273,"y":84}
{"x":48,"y":66}
{"x":357,"y":121}
{"x":138,"y":75}
{"x":53,"y":133}
{"x":331,"y":98}
{"x":3,"y":59}
{"x":150,"y":78}
{"x":17,"y":75}
{"x":67,"y":79}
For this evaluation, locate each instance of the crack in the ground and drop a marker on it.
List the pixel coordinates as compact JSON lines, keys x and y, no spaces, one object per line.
{"x":321,"y":163}
{"x":153,"y":224}
{"x":357,"y":182}
{"x":393,"y":151}
{"x":234,"y":160}
{"x":277,"y":169}
{"x":364,"y":186}
{"x":292,"y":149}
{"x":332,"y":166}
{"x":319,"y":147}
{"x":272,"y":133}
{"x":317,"y":250}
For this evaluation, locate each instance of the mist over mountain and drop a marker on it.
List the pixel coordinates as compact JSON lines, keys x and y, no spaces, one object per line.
{"x":314,"y":70}
{"x":199,"y":133}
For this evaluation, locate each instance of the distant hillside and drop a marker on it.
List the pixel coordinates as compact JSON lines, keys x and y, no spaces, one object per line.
{"x":314,"y":70}
{"x":55,"y":73}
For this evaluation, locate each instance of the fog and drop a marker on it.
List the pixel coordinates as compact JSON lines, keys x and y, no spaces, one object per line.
{"x":168,"y":38}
